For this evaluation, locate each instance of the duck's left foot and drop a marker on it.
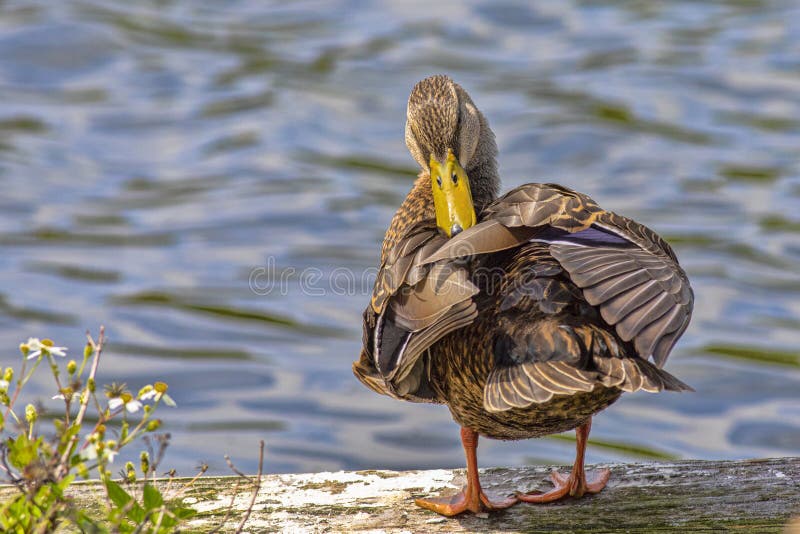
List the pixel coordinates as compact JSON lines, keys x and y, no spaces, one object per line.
{"x":574,"y":485}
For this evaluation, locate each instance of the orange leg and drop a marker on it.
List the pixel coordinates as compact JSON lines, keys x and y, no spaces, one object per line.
{"x":575,"y":485}
{"x":471,"y":497}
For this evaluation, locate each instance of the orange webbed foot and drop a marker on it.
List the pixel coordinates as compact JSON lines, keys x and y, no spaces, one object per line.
{"x":568,"y":486}
{"x":462,"y":502}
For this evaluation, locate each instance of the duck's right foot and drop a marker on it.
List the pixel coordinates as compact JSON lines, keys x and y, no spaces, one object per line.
{"x":465,"y":501}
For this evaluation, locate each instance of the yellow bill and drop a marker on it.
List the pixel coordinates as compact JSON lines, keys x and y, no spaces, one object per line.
{"x":452,"y":197}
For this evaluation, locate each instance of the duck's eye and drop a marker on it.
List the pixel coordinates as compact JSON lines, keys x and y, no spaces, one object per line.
{"x":455,"y":179}
{"x":439,"y":180}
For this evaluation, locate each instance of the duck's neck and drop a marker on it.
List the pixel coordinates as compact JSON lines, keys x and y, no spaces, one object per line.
{"x":484,"y":182}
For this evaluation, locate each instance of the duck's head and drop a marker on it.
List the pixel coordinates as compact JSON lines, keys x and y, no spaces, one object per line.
{"x":452,"y":141}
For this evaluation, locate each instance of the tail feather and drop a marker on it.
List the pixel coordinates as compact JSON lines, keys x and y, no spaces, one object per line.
{"x":634,"y":374}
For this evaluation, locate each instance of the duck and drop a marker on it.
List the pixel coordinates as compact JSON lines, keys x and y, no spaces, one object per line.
{"x":525,"y":314}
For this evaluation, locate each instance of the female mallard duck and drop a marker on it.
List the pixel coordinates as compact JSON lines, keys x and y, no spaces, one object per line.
{"x":525,"y":314}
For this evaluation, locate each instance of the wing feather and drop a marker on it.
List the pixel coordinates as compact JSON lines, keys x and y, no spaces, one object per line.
{"x":413,"y":306}
{"x":621,"y":267}
{"x":647,"y":297}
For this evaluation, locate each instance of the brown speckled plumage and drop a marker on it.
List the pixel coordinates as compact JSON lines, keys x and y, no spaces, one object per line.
{"x":417,"y":206}
{"x":529,"y":322}
{"x":462,"y":361}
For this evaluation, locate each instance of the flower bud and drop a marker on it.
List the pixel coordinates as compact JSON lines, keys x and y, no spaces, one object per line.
{"x":130,"y":472}
{"x":82,"y":470}
{"x":8,"y":375}
{"x":24,"y":349}
{"x":30,"y":413}
{"x":153,"y":425}
{"x":145,"y":462}
{"x":90,"y":385}
{"x":72,"y":366}
{"x":88,"y":350}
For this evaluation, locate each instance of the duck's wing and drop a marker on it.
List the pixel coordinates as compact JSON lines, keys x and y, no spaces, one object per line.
{"x":549,"y":341}
{"x":622,"y":267}
{"x":413,"y":305}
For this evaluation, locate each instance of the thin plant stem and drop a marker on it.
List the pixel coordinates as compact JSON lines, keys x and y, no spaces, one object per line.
{"x":229,"y":511}
{"x":197,"y":476}
{"x":255,"y":490}
{"x":20,"y":383}
{"x":98,"y":350}
{"x":83,"y":363}
{"x":54,"y":369}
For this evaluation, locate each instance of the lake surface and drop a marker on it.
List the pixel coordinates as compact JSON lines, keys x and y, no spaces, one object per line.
{"x":212,"y":180}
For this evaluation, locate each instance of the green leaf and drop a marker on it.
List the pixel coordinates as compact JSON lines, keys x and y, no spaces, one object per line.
{"x":183,"y":513}
{"x":152,"y":497}
{"x":137,"y":513}
{"x":118,"y":496}
{"x":36,"y":509}
{"x":66,"y":437}
{"x":167,"y":522}
{"x":21,"y":451}
{"x":123,"y":500}
{"x":86,"y":523}
{"x":64,"y":484}
{"x":16,"y":515}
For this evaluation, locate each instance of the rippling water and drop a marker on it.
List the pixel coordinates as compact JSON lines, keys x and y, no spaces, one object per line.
{"x":198,"y":177}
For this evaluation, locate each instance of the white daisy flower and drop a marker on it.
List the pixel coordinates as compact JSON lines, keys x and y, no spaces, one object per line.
{"x":131,"y":404}
{"x":161,"y":393}
{"x":89,"y":453}
{"x":157,"y":392}
{"x":74,"y":396}
{"x":36,"y":347}
{"x":28,"y":347}
{"x":147,"y":393}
